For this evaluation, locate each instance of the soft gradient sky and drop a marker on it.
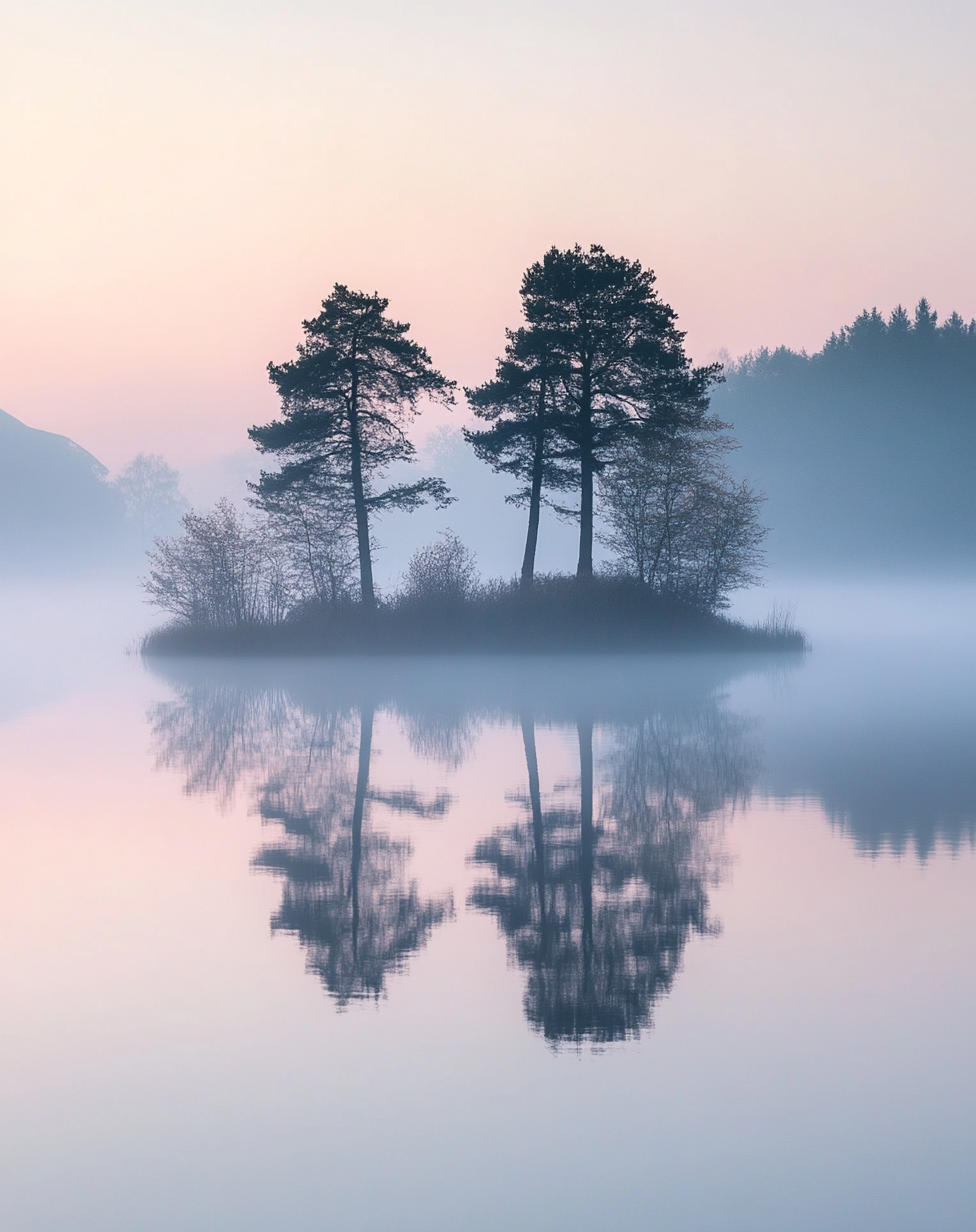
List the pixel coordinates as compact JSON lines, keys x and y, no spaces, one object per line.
{"x":181,"y":183}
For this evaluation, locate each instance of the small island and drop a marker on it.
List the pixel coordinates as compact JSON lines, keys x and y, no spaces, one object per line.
{"x":593,"y":404}
{"x":557,"y":615}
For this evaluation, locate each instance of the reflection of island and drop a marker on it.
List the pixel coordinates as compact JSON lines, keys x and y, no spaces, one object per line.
{"x":345,"y":891}
{"x":598,"y":904}
{"x":597,"y":897}
{"x":597,"y":892}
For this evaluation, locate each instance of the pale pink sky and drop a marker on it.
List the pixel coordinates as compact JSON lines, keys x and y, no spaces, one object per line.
{"x":183,"y":182}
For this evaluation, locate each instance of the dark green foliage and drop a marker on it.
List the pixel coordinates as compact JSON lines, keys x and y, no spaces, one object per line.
{"x":346,"y":402}
{"x":522,"y":406}
{"x":597,"y":376}
{"x":617,"y":358}
{"x":598,"y":902}
{"x":879,"y":354}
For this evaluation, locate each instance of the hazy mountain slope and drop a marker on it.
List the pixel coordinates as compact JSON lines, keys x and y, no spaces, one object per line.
{"x":56,"y":511}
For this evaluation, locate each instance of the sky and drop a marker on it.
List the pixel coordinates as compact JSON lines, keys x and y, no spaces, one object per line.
{"x":182,"y":183}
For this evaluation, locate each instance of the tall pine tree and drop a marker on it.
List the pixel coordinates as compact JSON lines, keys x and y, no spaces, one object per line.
{"x":521,"y":406}
{"x":617,"y":360}
{"x":347,"y":400}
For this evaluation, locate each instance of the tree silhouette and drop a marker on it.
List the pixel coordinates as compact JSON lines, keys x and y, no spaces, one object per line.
{"x":597,"y":909}
{"x":521,"y":406}
{"x":344,"y":893}
{"x":597,"y":892}
{"x":150,"y":488}
{"x":618,"y":358}
{"x":346,"y":402}
{"x":223,"y":738}
{"x":677,"y":521}
{"x":345,"y":890}
{"x":866,"y":445}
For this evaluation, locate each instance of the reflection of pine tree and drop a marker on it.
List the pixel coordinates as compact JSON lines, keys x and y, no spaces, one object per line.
{"x":345,"y":893}
{"x":597,"y":912}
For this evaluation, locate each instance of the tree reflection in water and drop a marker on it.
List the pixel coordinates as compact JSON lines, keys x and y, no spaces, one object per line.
{"x":345,"y":891}
{"x":597,"y":899}
{"x":598,"y":906}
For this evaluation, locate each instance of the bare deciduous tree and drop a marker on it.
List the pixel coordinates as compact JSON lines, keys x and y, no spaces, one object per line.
{"x":315,"y":527}
{"x":677,"y":521}
{"x":222,"y":571}
{"x":150,"y":488}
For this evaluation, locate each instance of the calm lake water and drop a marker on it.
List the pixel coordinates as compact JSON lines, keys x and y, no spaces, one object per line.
{"x":681,"y":943}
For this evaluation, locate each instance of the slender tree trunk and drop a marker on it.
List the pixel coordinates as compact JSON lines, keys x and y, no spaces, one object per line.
{"x":585,"y":732}
{"x":362,"y":785}
{"x":310,"y":556}
{"x":359,"y":500}
{"x":535,"y":493}
{"x":584,"y":569}
{"x":538,"y":835}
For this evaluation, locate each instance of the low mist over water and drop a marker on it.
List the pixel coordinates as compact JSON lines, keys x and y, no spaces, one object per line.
{"x":687,"y":934}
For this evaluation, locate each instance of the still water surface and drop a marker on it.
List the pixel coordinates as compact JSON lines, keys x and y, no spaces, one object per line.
{"x":683,"y":943}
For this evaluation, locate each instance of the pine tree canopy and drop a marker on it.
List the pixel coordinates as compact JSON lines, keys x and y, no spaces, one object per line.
{"x":347,"y":400}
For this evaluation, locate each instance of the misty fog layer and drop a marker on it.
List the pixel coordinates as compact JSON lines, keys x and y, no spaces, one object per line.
{"x":265,"y":923}
{"x":866,"y":449}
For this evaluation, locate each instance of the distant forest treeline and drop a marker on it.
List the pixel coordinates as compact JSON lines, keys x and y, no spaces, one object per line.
{"x":878,"y":353}
{"x":867,"y":448}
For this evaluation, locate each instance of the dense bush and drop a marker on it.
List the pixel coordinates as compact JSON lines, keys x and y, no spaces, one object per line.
{"x":444,"y":570}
